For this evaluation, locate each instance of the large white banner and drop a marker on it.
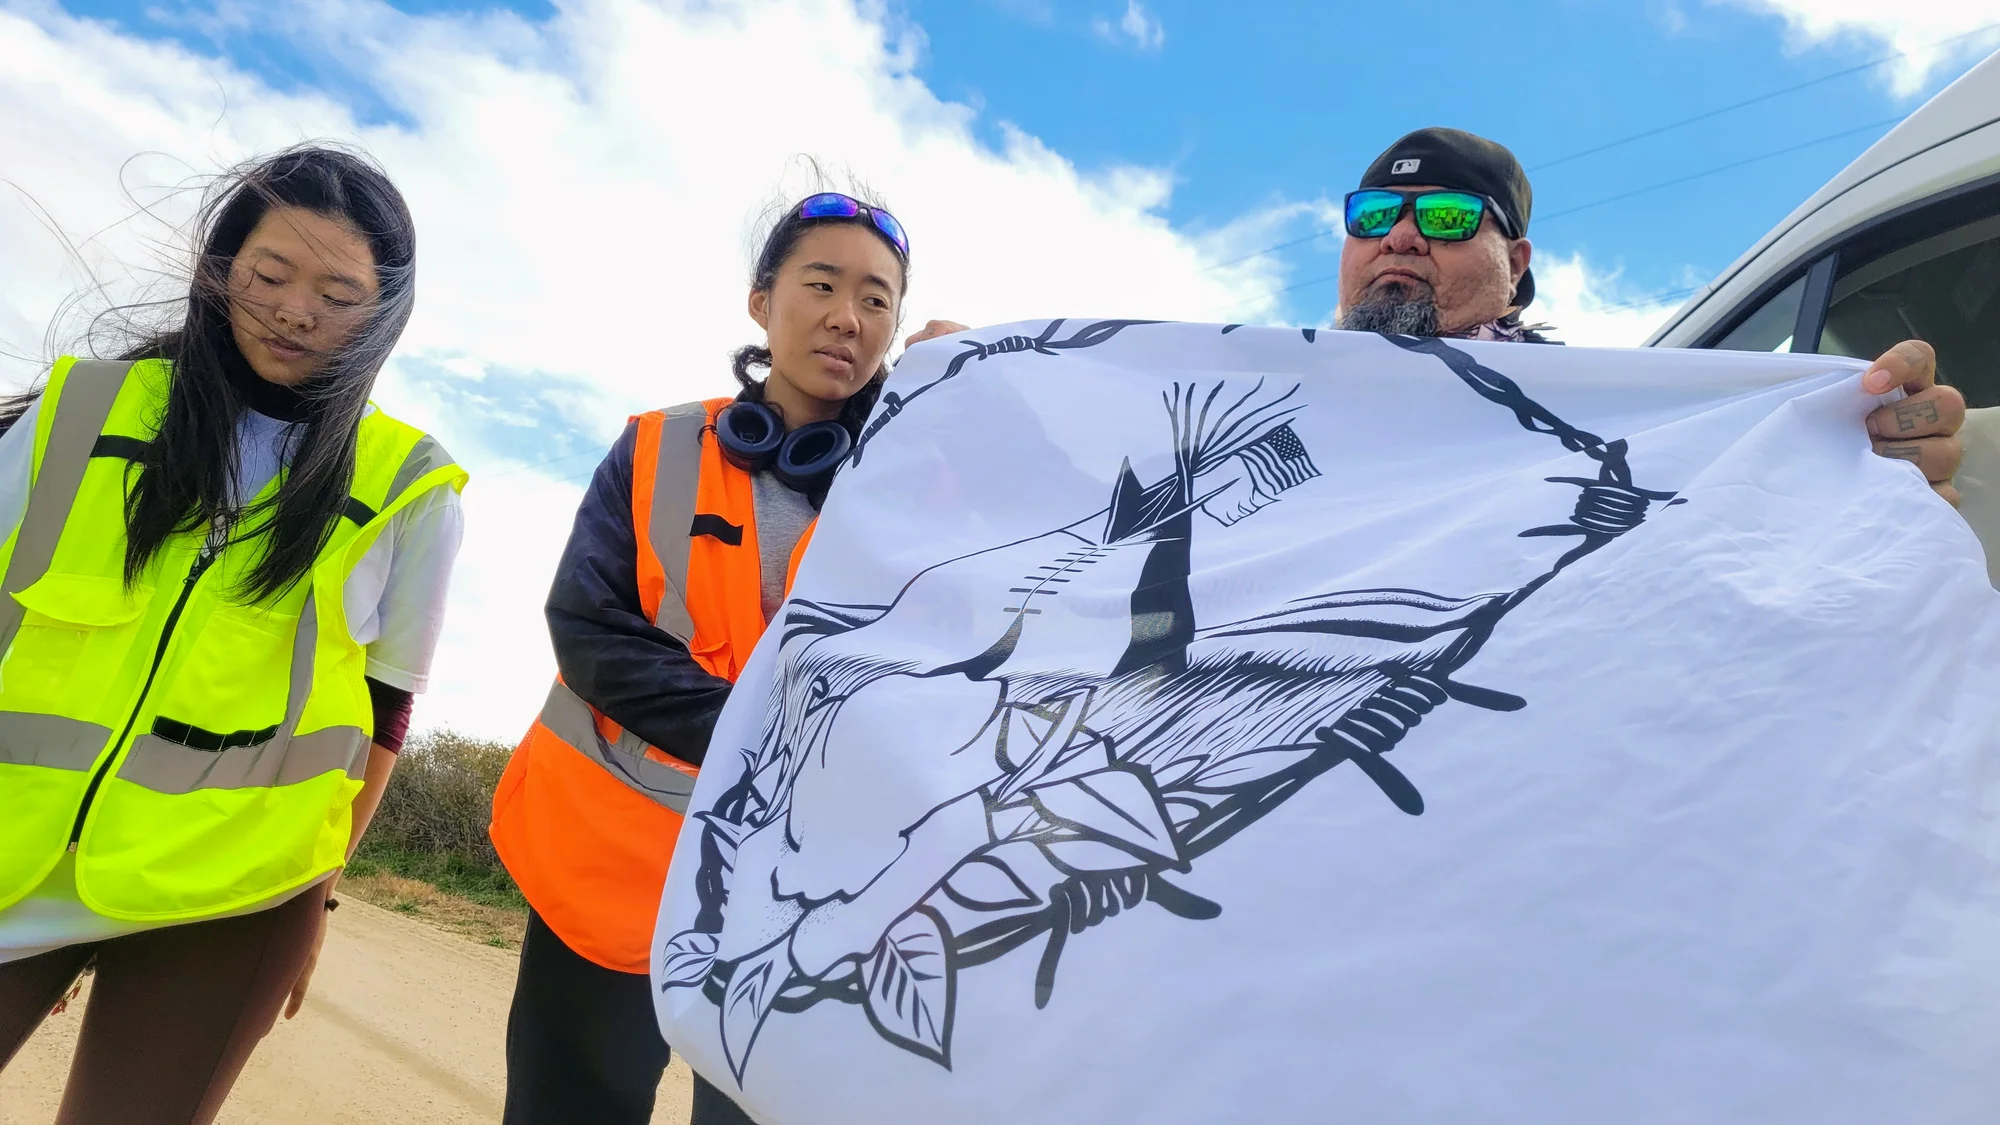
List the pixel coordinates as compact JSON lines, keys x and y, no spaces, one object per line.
{"x":1180,"y":723}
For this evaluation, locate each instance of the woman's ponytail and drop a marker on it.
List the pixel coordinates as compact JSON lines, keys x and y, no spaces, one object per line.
{"x":745,"y":358}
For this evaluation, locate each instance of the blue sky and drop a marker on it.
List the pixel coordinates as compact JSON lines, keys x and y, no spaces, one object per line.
{"x":587,"y":181}
{"x":1259,"y":100}
{"x":1250,"y":104}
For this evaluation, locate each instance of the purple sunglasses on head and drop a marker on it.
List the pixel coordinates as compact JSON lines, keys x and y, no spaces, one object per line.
{"x":833,"y":205}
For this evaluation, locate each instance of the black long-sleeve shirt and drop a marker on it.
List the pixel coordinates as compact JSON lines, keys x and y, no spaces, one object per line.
{"x":610,"y":653}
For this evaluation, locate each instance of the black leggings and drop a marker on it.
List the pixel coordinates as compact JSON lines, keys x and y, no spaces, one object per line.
{"x":583,"y":1044}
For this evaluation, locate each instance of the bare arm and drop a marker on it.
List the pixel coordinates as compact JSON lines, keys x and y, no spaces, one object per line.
{"x":381,"y":762}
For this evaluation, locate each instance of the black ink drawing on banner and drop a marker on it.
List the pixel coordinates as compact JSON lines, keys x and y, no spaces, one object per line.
{"x":1081,"y":792}
{"x":1044,"y":343}
{"x":1310,"y":334}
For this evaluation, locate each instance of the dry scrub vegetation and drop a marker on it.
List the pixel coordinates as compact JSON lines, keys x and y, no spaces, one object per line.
{"x":427,"y":853}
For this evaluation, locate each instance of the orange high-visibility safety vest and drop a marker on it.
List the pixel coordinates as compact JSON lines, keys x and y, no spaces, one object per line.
{"x":586,"y":815}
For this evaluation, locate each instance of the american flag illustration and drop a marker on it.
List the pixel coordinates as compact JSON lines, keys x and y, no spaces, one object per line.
{"x":1279,"y":461}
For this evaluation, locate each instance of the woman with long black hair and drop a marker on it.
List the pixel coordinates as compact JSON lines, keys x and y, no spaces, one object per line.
{"x":225,"y":572}
{"x":682,"y":551}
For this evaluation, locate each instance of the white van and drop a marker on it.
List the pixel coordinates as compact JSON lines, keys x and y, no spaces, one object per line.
{"x":1904,"y":242}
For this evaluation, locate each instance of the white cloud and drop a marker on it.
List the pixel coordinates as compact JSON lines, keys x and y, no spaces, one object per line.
{"x":1591,"y":307}
{"x":1137,"y":26}
{"x":584,"y":190}
{"x":1587,"y":305}
{"x":1932,"y":33}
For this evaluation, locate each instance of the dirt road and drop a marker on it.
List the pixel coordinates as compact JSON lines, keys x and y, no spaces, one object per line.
{"x":404,"y":1024}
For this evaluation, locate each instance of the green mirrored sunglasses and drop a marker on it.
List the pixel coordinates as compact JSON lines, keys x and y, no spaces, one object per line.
{"x":1444,"y":216}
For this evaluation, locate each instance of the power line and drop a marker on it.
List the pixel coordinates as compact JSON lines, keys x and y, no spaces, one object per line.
{"x":1733,"y":107}
{"x":1715,"y":171}
{"x":1650,"y":299}
{"x":575,"y":478}
{"x":540,"y":464}
{"x":1644,"y":134}
{"x":1270,"y":250}
{"x":1307,"y":284}
{"x":1719,"y":169}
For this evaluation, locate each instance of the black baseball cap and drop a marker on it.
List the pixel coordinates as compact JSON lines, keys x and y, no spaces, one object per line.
{"x":1461,"y":161}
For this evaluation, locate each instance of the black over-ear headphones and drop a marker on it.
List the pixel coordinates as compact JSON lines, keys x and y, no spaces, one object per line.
{"x":753,"y":438}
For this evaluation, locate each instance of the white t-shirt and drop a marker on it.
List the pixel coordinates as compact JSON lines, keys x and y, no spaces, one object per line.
{"x":395,"y":607}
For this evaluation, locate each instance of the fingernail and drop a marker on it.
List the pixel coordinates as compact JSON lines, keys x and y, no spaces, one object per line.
{"x":1875,"y":382}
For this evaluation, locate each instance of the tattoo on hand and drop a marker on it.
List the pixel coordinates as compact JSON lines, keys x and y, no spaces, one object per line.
{"x":1910,"y":415}
{"x":1904,"y":451}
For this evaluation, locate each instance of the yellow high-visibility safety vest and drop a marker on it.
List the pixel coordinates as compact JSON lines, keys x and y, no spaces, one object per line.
{"x":197,"y":753}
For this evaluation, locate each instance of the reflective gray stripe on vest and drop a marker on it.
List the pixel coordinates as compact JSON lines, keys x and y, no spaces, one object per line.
{"x":424,"y":456}
{"x":81,"y":411}
{"x":569,"y":718}
{"x":169,"y":767}
{"x":51,"y":741}
{"x":284,"y":759}
{"x":675,"y":483}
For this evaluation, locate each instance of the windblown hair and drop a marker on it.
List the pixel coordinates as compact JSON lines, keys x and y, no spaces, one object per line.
{"x":184,"y":479}
{"x":777,"y":249}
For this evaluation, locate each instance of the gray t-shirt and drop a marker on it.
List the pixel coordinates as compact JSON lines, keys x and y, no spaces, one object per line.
{"x":782,"y":516}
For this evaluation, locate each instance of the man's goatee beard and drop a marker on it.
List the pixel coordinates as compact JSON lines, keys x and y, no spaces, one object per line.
{"x":1394,"y":312}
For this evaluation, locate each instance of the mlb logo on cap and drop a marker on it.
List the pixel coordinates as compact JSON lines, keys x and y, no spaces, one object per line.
{"x":1404,"y":167}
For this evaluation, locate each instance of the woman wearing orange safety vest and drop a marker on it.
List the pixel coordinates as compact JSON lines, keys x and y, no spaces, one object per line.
{"x":222,"y":577}
{"x":682,"y":551}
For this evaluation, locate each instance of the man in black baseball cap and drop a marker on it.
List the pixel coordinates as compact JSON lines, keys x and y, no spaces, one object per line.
{"x":1437,"y":240}
{"x":1437,"y":245}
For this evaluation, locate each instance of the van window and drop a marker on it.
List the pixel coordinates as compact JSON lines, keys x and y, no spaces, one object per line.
{"x":1943,"y":287}
{"x":1769,"y":328}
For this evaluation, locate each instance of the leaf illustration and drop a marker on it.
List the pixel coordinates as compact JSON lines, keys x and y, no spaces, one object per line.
{"x":983,"y":883}
{"x":981,"y":944}
{"x":1021,"y":733}
{"x":1252,"y":766}
{"x":1117,"y":805}
{"x":1082,"y":857}
{"x":1174,"y":773}
{"x":689,"y":957}
{"x":752,"y":990}
{"x":1012,"y":822}
{"x":1025,"y":729}
{"x":1090,"y":754}
{"x":1183,"y":808}
{"x":911,"y":985}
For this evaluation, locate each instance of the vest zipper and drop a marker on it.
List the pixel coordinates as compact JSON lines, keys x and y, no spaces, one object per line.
{"x":201,"y":564}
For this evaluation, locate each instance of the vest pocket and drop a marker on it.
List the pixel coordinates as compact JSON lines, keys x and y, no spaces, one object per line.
{"x":71,"y":645}
{"x":231,"y":682}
